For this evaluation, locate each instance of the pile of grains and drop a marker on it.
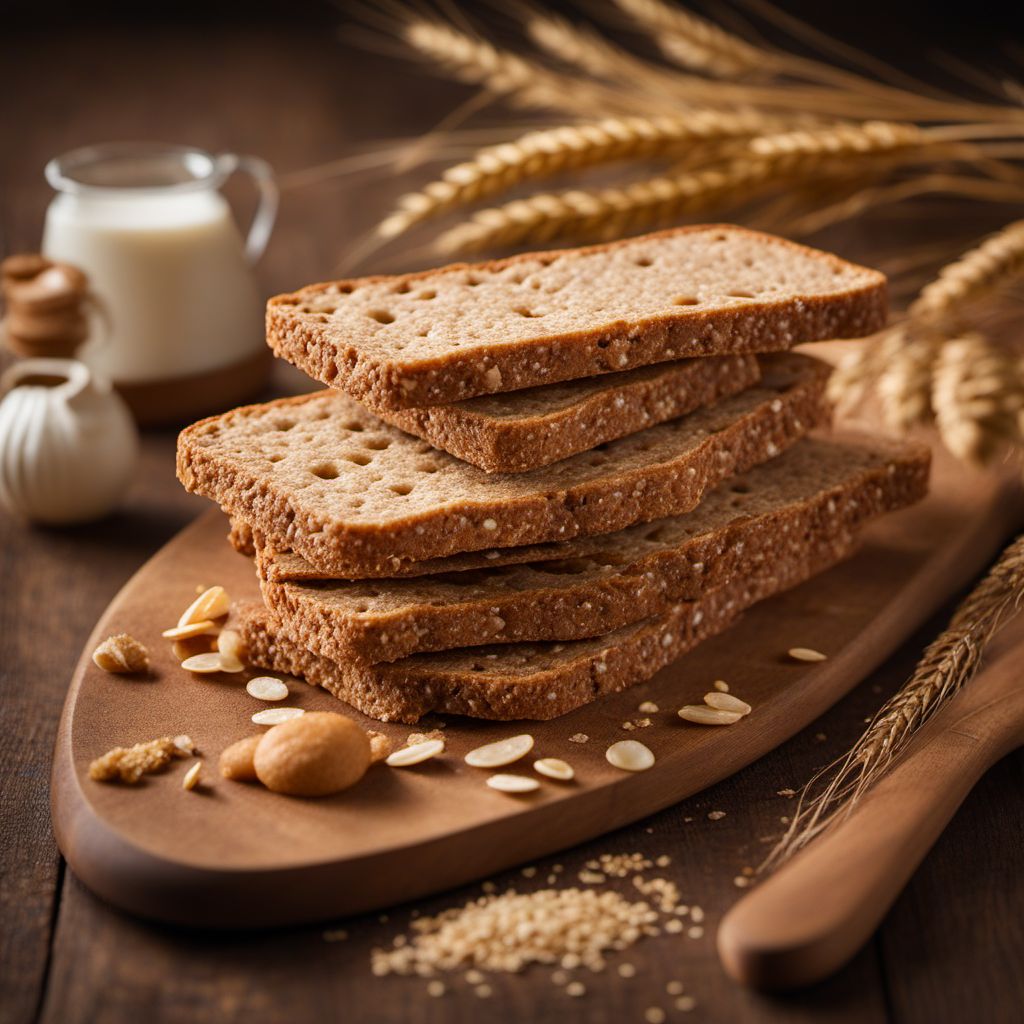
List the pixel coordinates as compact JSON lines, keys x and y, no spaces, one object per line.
{"x":570,"y":929}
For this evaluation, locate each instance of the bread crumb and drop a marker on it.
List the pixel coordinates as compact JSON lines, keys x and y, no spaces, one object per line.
{"x":121,"y":654}
{"x":129,"y":764}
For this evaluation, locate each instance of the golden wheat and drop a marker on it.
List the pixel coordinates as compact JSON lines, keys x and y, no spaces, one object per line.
{"x":523,"y":82}
{"x":948,"y":663}
{"x":978,"y":398}
{"x":541,"y":154}
{"x":977,"y":273}
{"x":769,"y":161}
{"x":694,"y":42}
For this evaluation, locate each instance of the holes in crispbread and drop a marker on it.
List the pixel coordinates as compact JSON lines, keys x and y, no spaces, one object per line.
{"x":740,"y":488}
{"x":377,"y":444}
{"x":427,"y":293}
{"x":401,"y":489}
{"x":644,"y":261}
{"x":284,"y":425}
{"x":325,"y":471}
{"x":427,"y":467}
{"x":686,"y":300}
{"x":527,"y":312}
{"x":359,"y":458}
{"x":276,"y":457}
{"x":382,"y":316}
{"x":353,"y":425}
{"x":741,"y":295}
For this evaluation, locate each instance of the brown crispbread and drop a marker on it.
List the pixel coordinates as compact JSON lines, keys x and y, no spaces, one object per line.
{"x":323,"y":477}
{"x":819,"y":488}
{"x":528,"y":680}
{"x":445,"y":335}
{"x":523,"y":430}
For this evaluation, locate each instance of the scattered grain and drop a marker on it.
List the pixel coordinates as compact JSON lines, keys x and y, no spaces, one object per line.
{"x":575,"y":989}
{"x":629,"y":756}
{"x":500,"y":753}
{"x":436,"y":988}
{"x":716,"y":815}
{"x":129,"y":764}
{"x":579,"y":737}
{"x":685,"y":1003}
{"x":275,"y":716}
{"x":554,"y":768}
{"x":721,"y":686}
{"x":701,"y":714}
{"x":654,"y":1015}
{"x":726,"y":702}
{"x":648,"y":707}
{"x":416,"y":753}
{"x":806,"y":654}
{"x":674,"y":988}
{"x":513,"y":783}
{"x":213,"y":603}
{"x":192,"y":776}
{"x":187,"y":632}
{"x":267,"y":688}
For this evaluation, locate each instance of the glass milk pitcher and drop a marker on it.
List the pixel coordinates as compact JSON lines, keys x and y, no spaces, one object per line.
{"x":165,"y":260}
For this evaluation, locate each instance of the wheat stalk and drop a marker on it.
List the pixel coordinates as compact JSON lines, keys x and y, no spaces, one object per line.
{"x":948,"y":663}
{"x":770,"y":161}
{"x":523,"y":82}
{"x":978,"y":398}
{"x":977,"y":273}
{"x":542,"y":154}
{"x":694,"y":42}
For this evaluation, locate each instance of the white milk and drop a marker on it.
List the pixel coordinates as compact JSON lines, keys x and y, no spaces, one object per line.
{"x":172,"y":272}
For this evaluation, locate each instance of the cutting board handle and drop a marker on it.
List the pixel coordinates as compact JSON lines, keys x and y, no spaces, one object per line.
{"x":815,"y":912}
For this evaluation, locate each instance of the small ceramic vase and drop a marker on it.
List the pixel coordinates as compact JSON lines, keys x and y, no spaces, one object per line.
{"x":67,"y":442}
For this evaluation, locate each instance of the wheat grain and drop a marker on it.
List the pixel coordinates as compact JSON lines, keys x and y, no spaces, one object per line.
{"x":694,"y":42}
{"x":541,"y":154}
{"x":905,"y":382}
{"x":603,"y":213}
{"x":977,"y":273}
{"x":948,"y":663}
{"x":978,"y":398}
{"x":523,"y":82}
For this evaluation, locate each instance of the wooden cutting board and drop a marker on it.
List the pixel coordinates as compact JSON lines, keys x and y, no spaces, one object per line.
{"x":232,"y":854}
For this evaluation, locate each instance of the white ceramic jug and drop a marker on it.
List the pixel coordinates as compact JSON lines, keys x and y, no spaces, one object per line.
{"x":68,"y":444}
{"x":148,"y":225}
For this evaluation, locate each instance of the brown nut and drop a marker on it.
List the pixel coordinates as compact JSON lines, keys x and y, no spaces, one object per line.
{"x":236,"y":761}
{"x":316,"y":754}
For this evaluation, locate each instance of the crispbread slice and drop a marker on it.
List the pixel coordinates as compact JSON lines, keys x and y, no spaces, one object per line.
{"x":527,"y":680}
{"x":445,"y":335}
{"x":524,"y":430}
{"x":322,"y":476}
{"x":820,"y":488}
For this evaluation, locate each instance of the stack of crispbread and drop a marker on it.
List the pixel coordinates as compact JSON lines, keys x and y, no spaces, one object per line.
{"x":538,"y":480}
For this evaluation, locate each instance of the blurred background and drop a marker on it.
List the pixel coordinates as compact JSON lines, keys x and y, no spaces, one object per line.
{"x":303,"y":82}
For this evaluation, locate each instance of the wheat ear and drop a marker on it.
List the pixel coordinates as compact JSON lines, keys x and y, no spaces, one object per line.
{"x":978,"y":398}
{"x":772,"y":160}
{"x":694,"y":42}
{"x":948,"y":663}
{"x":975,"y":274}
{"x":523,"y":82}
{"x":541,"y":154}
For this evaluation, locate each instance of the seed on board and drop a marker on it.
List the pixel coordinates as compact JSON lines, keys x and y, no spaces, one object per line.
{"x":647,"y":707}
{"x":554,"y":768}
{"x":654,"y":1015}
{"x":701,"y":714}
{"x":575,"y":988}
{"x":417,"y":753}
{"x":630,"y":756}
{"x":191,"y":779}
{"x":231,"y":645}
{"x":229,"y":663}
{"x":806,"y":654}
{"x":266,"y":688}
{"x":721,"y":686}
{"x":436,"y":988}
{"x":579,"y":737}
{"x":210,"y":604}
{"x":726,"y":702}
{"x":513,"y":783}
{"x":203,"y":664}
{"x":495,"y":755}
{"x":275,"y":716}
{"x":191,"y":630}
{"x":185,"y":744}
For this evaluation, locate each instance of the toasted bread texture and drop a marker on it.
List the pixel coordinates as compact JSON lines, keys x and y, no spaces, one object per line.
{"x":325,"y":478}
{"x":446,"y":335}
{"x":523,"y":430}
{"x":819,"y":488}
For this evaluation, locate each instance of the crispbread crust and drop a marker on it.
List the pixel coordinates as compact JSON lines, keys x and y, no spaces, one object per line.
{"x":308,"y":497}
{"x":525,"y":430}
{"x":819,"y":488}
{"x":526,"y":681}
{"x":379,"y":341}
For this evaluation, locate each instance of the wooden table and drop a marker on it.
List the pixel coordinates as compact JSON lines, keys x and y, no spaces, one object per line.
{"x":950,"y":950}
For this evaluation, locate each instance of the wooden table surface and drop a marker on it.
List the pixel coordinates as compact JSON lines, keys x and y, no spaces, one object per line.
{"x":950,"y":950}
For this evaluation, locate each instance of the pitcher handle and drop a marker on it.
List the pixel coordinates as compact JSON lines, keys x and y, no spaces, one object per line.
{"x":266,"y":210}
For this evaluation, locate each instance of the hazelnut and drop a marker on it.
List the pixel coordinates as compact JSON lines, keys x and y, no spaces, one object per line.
{"x":236,"y":760}
{"x":316,"y":754}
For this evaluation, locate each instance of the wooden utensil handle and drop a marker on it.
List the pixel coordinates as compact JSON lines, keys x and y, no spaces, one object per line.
{"x":813,"y":915}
